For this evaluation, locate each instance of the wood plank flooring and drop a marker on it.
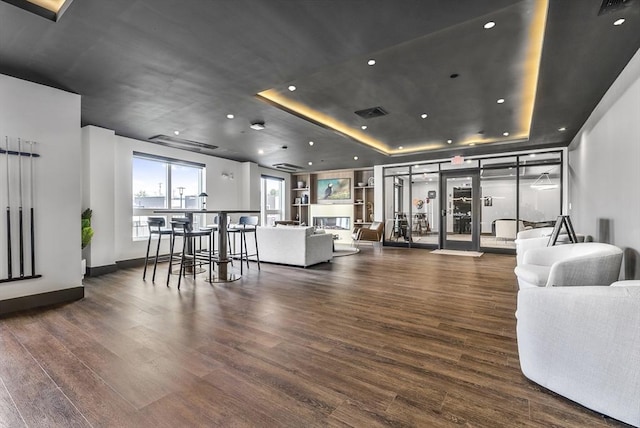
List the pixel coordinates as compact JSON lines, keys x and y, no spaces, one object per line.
{"x":395,"y":337}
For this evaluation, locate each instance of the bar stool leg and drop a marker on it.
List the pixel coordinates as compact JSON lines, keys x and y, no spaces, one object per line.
{"x":173,"y":241}
{"x":146,"y":258}
{"x":246,"y":251}
{"x":182,"y":259}
{"x":255,"y":238}
{"x":155,"y":264}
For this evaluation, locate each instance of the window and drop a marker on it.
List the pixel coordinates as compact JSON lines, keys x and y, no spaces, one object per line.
{"x":159,"y":182}
{"x":272,"y":197}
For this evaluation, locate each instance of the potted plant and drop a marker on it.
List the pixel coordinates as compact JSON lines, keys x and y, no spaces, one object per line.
{"x":87,"y":234}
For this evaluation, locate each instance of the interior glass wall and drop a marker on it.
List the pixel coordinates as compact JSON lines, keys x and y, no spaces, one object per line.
{"x":397,"y":187}
{"x":517,"y":192}
{"x":498,"y":187}
{"x":425,"y":204}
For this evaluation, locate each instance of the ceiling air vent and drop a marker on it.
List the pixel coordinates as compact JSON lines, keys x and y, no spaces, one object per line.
{"x":181,"y":143}
{"x":287,"y":167}
{"x":609,"y":6}
{"x":370,"y":113}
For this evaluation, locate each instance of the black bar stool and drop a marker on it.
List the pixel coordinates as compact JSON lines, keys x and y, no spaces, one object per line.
{"x":182,"y":227}
{"x":156,"y":227}
{"x":246,"y":224}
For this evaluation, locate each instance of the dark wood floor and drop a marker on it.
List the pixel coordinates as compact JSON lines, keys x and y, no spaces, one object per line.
{"x":383,"y":338}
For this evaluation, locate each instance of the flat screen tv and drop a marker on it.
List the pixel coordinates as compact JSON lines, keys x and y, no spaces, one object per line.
{"x":334,"y":190}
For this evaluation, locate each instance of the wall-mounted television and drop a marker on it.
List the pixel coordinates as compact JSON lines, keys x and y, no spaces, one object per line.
{"x":334,"y":190}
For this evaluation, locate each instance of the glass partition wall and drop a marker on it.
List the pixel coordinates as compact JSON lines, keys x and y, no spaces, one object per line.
{"x":475,"y":204}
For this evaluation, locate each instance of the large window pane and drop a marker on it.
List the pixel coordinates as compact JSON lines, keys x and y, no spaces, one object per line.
{"x":149,"y":183}
{"x":272,"y":197}
{"x":185,"y":186}
{"x":162,"y":183}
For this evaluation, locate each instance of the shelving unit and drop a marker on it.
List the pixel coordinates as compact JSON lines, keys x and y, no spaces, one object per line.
{"x":303,"y":195}
{"x":300,"y":198}
{"x":363,"y":197}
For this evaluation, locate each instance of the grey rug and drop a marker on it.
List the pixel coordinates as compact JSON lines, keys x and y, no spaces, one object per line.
{"x":344,"y":250}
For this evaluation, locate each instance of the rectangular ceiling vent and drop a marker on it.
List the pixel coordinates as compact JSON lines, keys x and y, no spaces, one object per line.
{"x":287,"y":167}
{"x":181,"y":143}
{"x":609,"y":6}
{"x":370,"y":113}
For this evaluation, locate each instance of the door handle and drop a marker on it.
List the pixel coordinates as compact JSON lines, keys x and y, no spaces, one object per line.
{"x":443,"y":213}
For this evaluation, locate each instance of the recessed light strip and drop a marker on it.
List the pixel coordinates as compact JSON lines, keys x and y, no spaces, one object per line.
{"x":296,"y":108}
{"x":49,"y":9}
{"x":532,"y":63}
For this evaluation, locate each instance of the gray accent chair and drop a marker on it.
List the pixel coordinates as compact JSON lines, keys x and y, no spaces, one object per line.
{"x":589,"y":263}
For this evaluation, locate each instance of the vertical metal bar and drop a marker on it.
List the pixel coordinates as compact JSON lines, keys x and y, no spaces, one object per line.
{"x":31,"y":197}
{"x":9,"y":272}
{"x":21,"y":235}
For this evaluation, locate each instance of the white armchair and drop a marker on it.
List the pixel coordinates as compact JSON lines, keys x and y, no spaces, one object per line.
{"x":589,"y":263}
{"x":538,"y":238}
{"x":531,"y":238}
{"x":508,"y":229}
{"x":584,"y":344}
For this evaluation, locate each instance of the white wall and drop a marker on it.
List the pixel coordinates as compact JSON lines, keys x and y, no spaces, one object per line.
{"x":110,"y":161}
{"x":51,"y":118}
{"x":604,"y":169}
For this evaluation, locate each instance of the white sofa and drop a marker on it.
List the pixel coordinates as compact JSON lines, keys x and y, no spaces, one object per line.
{"x":589,"y":263}
{"x":292,"y":245}
{"x":584,"y":344}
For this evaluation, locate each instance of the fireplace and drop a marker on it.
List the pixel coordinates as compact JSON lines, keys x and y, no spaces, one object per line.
{"x":335,"y":223}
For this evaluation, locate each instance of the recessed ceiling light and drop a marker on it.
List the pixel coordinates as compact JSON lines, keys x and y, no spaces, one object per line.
{"x":423,"y":115}
{"x":500,"y":100}
{"x":506,"y":134}
{"x":230,"y":116}
{"x":363,"y":127}
{"x":310,"y":163}
{"x":311,"y":143}
{"x":371,"y":62}
{"x":562,"y":129}
{"x":400,"y":147}
{"x":260,"y":152}
{"x":472,"y":144}
{"x":292,"y":88}
{"x":176,"y":132}
{"x":355,"y":158}
{"x":489,"y":25}
{"x":532,"y":155}
{"x":449,"y":141}
{"x":619,"y":21}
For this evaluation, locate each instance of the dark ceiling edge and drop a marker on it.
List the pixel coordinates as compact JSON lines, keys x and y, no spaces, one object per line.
{"x":315,"y":122}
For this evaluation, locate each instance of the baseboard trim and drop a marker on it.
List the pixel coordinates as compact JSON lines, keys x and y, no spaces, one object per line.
{"x":39,"y":300}
{"x":101,"y":270}
{"x":131,"y":263}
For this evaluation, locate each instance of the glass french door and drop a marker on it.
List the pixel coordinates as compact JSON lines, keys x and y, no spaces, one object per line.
{"x":460,"y":210}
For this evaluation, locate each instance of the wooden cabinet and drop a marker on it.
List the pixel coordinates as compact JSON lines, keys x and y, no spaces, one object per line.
{"x":300,"y":198}
{"x":363,"y":197}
